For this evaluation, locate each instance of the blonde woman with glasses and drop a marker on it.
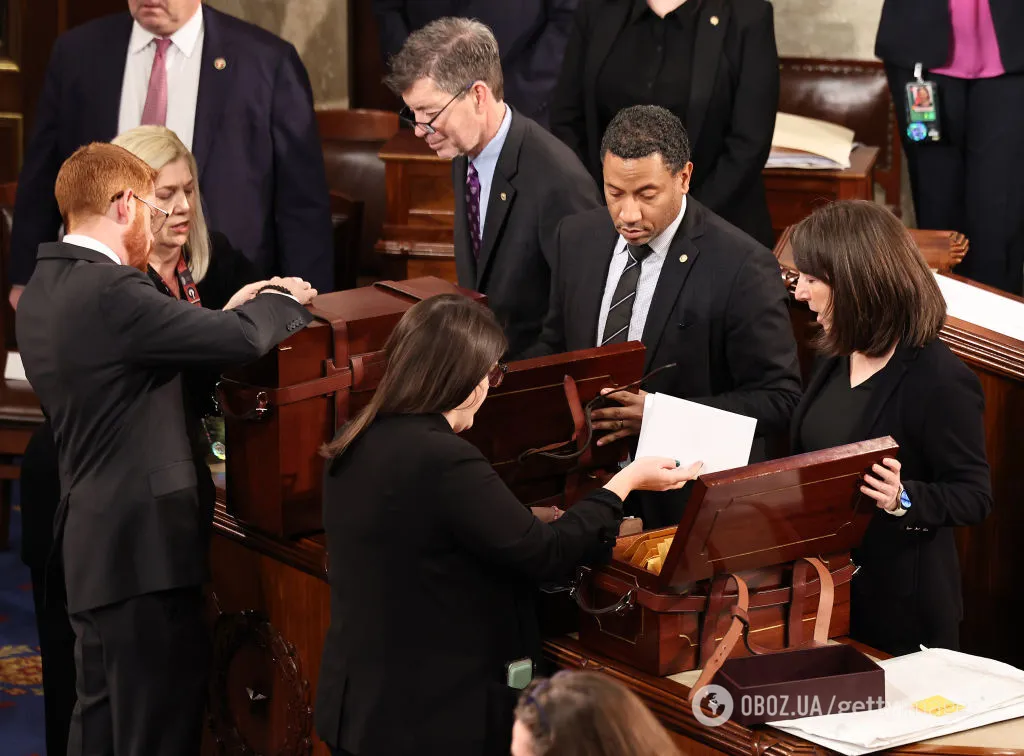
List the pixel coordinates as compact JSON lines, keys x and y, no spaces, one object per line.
{"x":187,"y":260}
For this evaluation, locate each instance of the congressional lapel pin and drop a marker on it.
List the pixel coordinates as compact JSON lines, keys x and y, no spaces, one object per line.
{"x":503,"y":196}
{"x":220,"y":64}
{"x":683,"y":258}
{"x":714,"y":20}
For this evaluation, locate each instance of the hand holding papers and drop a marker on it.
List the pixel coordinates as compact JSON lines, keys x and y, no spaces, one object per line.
{"x":688,"y":432}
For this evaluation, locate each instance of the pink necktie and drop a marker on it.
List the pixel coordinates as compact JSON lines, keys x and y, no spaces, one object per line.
{"x":155,"y":111}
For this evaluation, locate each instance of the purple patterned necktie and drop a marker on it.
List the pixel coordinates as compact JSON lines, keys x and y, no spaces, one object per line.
{"x":473,"y":208}
{"x":154,"y":112}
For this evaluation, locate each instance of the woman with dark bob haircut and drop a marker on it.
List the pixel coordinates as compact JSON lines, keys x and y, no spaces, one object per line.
{"x":433,"y":560}
{"x":884,"y":371}
{"x":586,"y":714}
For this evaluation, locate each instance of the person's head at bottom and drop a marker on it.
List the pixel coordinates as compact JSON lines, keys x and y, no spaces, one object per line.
{"x":586,"y":714}
{"x":105,"y":192}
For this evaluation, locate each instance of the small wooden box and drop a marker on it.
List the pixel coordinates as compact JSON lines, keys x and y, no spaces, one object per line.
{"x":804,"y":682}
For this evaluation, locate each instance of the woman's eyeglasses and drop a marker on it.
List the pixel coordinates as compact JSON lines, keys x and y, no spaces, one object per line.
{"x":497,"y":375}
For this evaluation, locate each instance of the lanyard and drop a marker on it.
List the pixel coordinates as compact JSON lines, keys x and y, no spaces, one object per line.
{"x":188,"y":286}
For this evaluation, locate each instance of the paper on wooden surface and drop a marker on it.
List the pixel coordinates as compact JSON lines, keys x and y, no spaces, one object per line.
{"x":984,"y":308}
{"x":14,"y":370}
{"x":989,"y":691}
{"x":688,"y":431}
{"x":821,"y":138}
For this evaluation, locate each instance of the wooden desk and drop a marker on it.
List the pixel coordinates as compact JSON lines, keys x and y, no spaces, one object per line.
{"x":666,"y":698}
{"x":794,"y":194}
{"x":416,"y":239}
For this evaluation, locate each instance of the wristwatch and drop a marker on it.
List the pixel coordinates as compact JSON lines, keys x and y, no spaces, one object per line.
{"x":904,"y":499}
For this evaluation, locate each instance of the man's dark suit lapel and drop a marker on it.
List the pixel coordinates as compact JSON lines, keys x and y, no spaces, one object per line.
{"x":502,"y":195}
{"x":707,"y":53}
{"x":215,"y":84}
{"x":594,"y":261}
{"x":104,"y":109}
{"x":681,"y":257}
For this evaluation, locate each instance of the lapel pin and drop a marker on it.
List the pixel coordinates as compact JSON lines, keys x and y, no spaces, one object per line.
{"x":503,"y":196}
{"x":683,"y":258}
{"x":220,"y":64}
{"x":714,"y":20}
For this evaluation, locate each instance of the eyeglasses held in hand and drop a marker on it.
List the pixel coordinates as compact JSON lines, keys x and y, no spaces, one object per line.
{"x":409,"y":117}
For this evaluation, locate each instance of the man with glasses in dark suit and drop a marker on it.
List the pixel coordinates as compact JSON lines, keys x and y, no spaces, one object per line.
{"x":513,"y":181}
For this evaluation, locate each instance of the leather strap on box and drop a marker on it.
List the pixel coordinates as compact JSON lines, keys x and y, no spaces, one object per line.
{"x":337,"y":364}
{"x":667,"y":604}
{"x":740,"y":625}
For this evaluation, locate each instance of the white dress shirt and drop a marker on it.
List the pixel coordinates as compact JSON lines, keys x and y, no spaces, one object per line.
{"x":487,"y":161}
{"x":184,"y":59}
{"x":88,"y":242}
{"x":650,"y":270}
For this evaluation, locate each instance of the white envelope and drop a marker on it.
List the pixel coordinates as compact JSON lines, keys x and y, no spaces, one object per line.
{"x":688,"y":431}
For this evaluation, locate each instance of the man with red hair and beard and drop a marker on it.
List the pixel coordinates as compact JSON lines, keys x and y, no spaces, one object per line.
{"x":103,"y":349}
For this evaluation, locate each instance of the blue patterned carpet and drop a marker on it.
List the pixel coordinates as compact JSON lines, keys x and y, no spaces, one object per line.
{"x":22,"y":730}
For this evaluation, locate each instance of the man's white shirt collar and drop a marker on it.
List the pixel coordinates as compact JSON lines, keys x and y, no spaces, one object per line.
{"x":80,"y":240}
{"x":184,"y":39}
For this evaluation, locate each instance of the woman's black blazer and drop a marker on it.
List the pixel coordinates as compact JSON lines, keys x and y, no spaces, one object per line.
{"x":433,"y":567}
{"x":730,"y":119}
{"x":908,"y":589}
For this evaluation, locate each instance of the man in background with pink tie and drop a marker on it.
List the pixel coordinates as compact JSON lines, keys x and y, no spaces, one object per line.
{"x":236,"y":95}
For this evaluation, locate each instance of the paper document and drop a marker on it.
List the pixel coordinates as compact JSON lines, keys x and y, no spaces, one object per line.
{"x":819,"y":140}
{"x":689,"y":432}
{"x":973,"y":691}
{"x":14,"y":370}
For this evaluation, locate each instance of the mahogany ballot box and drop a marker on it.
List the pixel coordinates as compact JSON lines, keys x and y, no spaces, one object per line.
{"x":281,"y":408}
{"x":535,"y":430}
{"x":662,"y":604}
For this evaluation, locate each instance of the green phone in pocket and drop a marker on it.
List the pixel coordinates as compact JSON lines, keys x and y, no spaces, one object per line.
{"x":519,"y":673}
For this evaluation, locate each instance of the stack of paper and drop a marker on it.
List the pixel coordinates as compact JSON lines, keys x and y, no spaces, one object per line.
{"x":981,"y":307}
{"x":927,"y":694}
{"x":800,"y":142}
{"x":691,"y":432}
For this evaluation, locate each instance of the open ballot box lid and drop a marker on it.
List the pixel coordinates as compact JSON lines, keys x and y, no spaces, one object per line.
{"x":765,"y":514}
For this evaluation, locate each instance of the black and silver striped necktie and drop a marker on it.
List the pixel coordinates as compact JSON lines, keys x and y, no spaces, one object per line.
{"x":616,"y":326}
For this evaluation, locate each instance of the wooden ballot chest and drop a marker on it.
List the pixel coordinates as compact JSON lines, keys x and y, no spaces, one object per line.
{"x":279,"y":410}
{"x":661,"y":606}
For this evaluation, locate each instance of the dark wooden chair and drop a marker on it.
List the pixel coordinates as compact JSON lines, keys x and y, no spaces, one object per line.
{"x":20,"y":413}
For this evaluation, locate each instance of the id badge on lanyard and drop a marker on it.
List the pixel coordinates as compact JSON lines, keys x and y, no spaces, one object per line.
{"x":922,"y":102}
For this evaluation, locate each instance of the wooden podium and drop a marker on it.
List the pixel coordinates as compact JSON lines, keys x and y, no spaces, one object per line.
{"x":416,"y":239}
